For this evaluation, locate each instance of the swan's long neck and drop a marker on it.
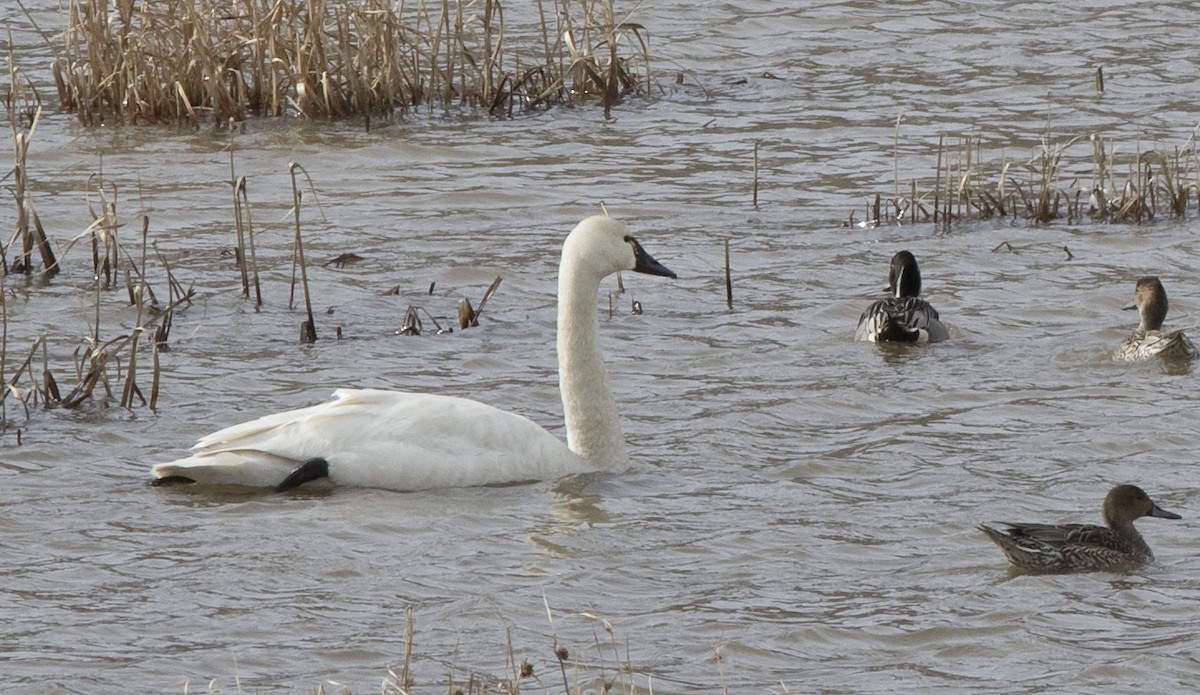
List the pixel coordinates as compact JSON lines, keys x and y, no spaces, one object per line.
{"x":593,"y":427}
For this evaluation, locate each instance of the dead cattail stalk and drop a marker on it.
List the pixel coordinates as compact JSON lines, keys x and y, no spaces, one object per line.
{"x":754,"y":194}
{"x":467,"y":316}
{"x":937,"y":180}
{"x":308,"y":330}
{"x":131,"y":388}
{"x":896,"y":156}
{"x":728,"y":278}
{"x":4,"y":386}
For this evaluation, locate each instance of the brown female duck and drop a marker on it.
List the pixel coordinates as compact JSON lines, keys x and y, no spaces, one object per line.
{"x":1114,"y":547}
{"x":1150,"y":338}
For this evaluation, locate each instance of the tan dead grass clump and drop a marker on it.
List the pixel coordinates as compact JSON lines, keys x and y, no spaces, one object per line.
{"x":1080,"y":179}
{"x":222,"y":60}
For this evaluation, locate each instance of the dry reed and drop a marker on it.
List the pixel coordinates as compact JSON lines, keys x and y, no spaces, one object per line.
{"x":193,"y":61}
{"x":23,"y":106}
{"x":468,"y":317}
{"x":1042,"y":188}
{"x":308,"y":329}
{"x":610,"y":672}
{"x":244,"y":225}
{"x":111,"y":366}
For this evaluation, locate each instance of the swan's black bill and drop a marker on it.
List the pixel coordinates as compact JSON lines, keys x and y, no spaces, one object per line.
{"x":645,"y":263}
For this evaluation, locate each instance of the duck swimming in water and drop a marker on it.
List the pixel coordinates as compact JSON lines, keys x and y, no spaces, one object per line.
{"x":409,"y":441}
{"x":1149,"y":339}
{"x":903,"y":317}
{"x":1114,"y":547}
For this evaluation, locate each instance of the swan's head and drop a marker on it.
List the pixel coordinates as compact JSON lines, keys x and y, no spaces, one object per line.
{"x":602,"y":245}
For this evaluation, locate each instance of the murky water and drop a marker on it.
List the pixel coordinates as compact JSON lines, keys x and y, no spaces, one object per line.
{"x":800,"y":512}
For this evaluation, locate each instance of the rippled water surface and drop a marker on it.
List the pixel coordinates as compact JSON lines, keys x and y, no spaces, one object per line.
{"x":800,"y":514}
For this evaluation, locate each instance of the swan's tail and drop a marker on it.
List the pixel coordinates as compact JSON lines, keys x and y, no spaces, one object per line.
{"x":242,"y":469}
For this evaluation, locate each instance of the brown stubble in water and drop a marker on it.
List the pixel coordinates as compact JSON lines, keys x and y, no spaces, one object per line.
{"x":1160,"y":182}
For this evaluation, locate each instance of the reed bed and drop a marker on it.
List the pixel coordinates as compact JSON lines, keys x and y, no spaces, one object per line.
{"x":225,"y":60}
{"x":107,"y":366}
{"x":1082,"y":179}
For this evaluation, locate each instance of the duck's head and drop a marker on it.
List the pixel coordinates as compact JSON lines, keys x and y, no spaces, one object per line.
{"x":904,"y":277}
{"x":1150,"y":299}
{"x":1125,"y":503}
{"x":604,"y":246}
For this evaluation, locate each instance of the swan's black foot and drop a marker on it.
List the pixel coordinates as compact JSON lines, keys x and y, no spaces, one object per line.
{"x":311,"y":469}
{"x":170,"y":480}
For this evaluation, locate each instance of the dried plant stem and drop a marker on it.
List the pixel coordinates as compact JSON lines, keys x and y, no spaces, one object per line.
{"x":728,"y":278}
{"x":1042,"y":189}
{"x":131,"y":388}
{"x":754,"y":193}
{"x":308,"y":330}
{"x":4,"y":386}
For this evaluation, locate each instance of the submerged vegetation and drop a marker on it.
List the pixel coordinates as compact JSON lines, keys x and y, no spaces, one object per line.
{"x":602,"y":666}
{"x":223,"y":60}
{"x":98,"y":362}
{"x":1084,"y":179}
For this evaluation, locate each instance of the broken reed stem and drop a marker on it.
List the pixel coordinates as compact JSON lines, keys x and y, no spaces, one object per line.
{"x":409,"y":629}
{"x":754,"y":194}
{"x":896,"y":156}
{"x":3,"y":358}
{"x":11,"y":386}
{"x":239,"y":184}
{"x":728,"y":278}
{"x":131,"y":388}
{"x":308,"y":330}
{"x":245,"y":205}
{"x":154,"y":379}
{"x":937,"y":180}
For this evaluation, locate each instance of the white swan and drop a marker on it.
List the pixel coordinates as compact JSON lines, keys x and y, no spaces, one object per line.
{"x":411,"y":441}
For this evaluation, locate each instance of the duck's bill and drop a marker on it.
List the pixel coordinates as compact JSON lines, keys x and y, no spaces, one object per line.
{"x":1161,"y":513}
{"x":645,"y":263}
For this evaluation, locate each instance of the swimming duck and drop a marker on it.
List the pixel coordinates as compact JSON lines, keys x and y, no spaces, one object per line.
{"x":1149,"y":338}
{"x":410,"y":441}
{"x":903,"y":317}
{"x":1082,"y":547}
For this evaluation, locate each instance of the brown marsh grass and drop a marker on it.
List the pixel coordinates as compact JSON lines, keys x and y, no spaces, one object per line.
{"x":225,"y":60}
{"x":600,"y":665}
{"x":103,"y":367}
{"x":23,"y":107}
{"x":1084,"y":178}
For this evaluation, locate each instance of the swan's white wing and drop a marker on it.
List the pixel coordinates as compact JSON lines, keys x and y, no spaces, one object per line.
{"x":384,"y":439}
